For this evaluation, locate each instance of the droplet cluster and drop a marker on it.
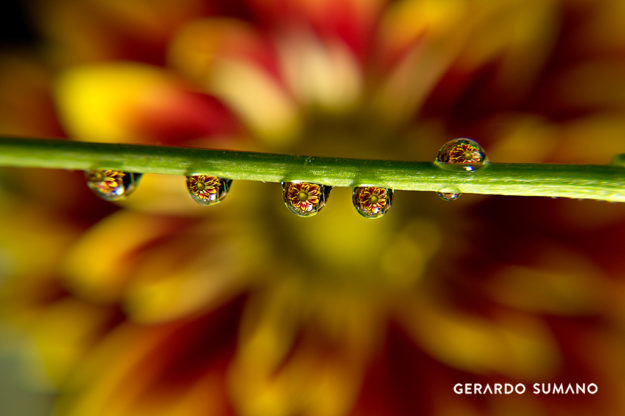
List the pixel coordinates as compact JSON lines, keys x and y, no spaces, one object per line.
{"x":304,"y":199}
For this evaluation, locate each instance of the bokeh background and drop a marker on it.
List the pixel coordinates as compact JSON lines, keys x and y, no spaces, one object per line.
{"x":156,"y":306}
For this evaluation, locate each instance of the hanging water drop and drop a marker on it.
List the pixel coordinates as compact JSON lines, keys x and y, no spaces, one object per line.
{"x":208,"y":190}
{"x":372,"y":201}
{"x":304,"y":198}
{"x":112,"y":185}
{"x":461,"y":154}
{"x":448,"y":196}
{"x":449,"y":193}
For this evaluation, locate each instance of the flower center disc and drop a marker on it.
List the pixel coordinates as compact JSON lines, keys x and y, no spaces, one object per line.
{"x":302,"y":196}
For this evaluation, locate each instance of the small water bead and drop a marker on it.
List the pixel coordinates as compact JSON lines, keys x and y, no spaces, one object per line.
{"x":450,"y":193}
{"x":112,"y":185}
{"x":304,"y":198}
{"x":208,"y":190}
{"x":461,"y":154}
{"x":448,"y":196}
{"x":372,"y":201}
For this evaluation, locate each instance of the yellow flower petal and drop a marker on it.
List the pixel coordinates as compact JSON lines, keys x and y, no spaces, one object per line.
{"x":100,"y":264}
{"x":112,"y":376}
{"x":516,"y":346}
{"x":324,"y":75}
{"x":571,"y":287}
{"x":183,"y":276}
{"x":222,"y":55}
{"x":260,"y":102}
{"x":63,"y":334}
{"x":101,"y":102}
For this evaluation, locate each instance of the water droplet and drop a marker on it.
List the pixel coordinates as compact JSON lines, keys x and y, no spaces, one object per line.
{"x":372,"y":201}
{"x":450,"y":193}
{"x":208,"y":190}
{"x":112,"y":185}
{"x":448,"y":196}
{"x":461,"y":154}
{"x":304,"y":198}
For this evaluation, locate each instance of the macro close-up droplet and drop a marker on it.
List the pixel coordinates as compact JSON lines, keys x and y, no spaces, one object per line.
{"x":448,"y":196}
{"x":304,"y":198}
{"x":372,"y":201}
{"x":112,"y":185}
{"x":461,"y":154}
{"x":449,"y":193}
{"x":208,"y":190}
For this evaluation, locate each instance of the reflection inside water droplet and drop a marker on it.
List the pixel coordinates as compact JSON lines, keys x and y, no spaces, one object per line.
{"x":112,"y":185}
{"x":448,"y":196}
{"x":208,"y":190}
{"x":304,"y":198}
{"x":449,"y":193}
{"x":461,"y":154}
{"x":372,"y":201}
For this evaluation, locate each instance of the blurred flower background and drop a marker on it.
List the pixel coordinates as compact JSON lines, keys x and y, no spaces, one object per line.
{"x":157,"y":306}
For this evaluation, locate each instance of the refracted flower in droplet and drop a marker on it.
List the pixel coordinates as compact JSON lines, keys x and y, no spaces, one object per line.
{"x":448,"y":196}
{"x":304,"y":198}
{"x":461,"y":154}
{"x":449,"y":193}
{"x":208,"y":190}
{"x":372,"y":201}
{"x":112,"y":185}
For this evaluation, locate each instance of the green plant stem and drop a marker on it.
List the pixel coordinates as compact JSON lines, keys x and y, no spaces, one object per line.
{"x":552,"y":180}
